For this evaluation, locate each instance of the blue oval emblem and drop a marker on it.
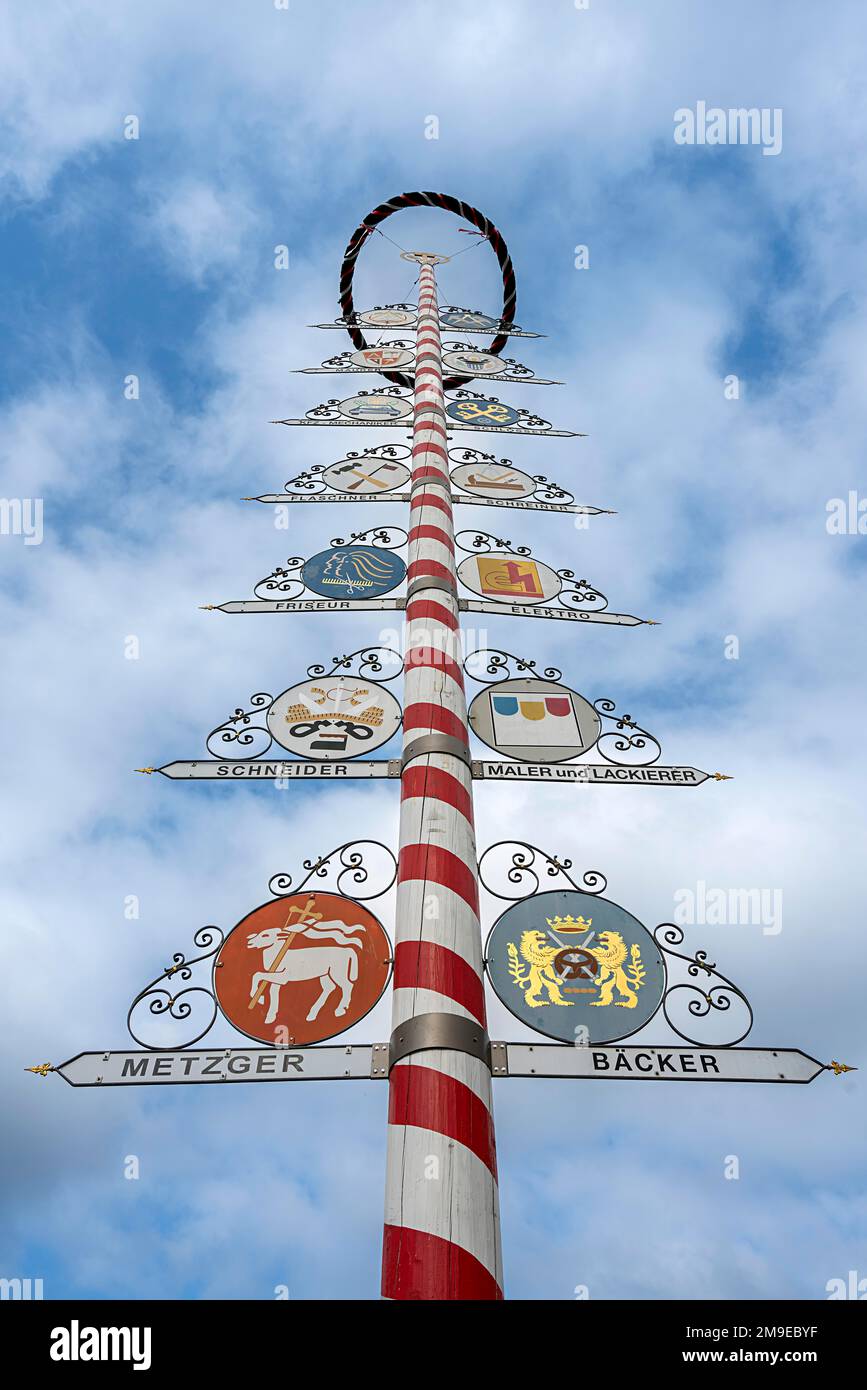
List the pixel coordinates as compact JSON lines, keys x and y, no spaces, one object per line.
{"x":575,"y":967}
{"x":353,"y":571}
{"x":483,"y":413}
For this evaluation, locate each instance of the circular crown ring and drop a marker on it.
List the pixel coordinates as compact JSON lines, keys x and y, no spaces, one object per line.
{"x":449,"y":204}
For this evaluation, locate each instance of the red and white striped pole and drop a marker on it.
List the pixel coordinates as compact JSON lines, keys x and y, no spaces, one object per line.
{"x":442,"y":1229}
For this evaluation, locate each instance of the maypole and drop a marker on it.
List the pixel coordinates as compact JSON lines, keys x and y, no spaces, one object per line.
{"x":442,"y":1232}
{"x":310,"y":962}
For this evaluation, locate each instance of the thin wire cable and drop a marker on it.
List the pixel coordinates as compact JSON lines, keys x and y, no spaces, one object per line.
{"x":388,"y":238}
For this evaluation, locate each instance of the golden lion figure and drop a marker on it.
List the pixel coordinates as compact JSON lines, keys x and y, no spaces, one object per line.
{"x":614,"y":972}
{"x":540,"y":973}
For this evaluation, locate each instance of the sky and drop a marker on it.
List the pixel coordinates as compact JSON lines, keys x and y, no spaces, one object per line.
{"x":264,"y":126}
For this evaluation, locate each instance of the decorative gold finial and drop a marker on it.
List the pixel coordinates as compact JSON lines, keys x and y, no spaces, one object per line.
{"x":839,"y":1067}
{"x":45,"y":1067}
{"x":721,"y":777}
{"x":207,"y":607}
{"x":146,"y":770}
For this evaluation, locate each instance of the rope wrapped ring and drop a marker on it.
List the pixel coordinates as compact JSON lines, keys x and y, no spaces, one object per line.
{"x":449,"y":204}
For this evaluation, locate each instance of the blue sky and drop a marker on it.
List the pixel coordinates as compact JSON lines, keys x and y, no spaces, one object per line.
{"x":262,"y":127}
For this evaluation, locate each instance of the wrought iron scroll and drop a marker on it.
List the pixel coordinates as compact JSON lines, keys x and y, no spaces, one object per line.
{"x":487,"y":666}
{"x":357,"y":865}
{"x":474,"y":542}
{"x":702,"y":1000}
{"x":368,"y":663}
{"x":284,"y":582}
{"x":548,"y":491}
{"x":580,"y":594}
{"x":166,"y":1003}
{"x":244,"y":734}
{"x":625,"y":745}
{"x":308,"y":481}
{"x":523,"y":866}
{"x":382,"y":537}
{"x":401,"y":452}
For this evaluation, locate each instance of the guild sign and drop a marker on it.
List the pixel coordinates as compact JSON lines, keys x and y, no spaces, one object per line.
{"x":474,"y":363}
{"x":565,"y":962}
{"x":493,"y":480}
{"x":353,"y":571}
{"x":509,"y":578}
{"x":302,"y":968}
{"x":383,"y":358}
{"x":534,"y":720}
{"x":482,"y":412}
{"x":386,"y":318}
{"x":333,"y":718}
{"x":365,"y":476}
{"x":376,"y":407}
{"x":462,"y":318}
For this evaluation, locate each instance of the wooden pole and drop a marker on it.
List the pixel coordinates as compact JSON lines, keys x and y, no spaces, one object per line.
{"x":442,"y":1231}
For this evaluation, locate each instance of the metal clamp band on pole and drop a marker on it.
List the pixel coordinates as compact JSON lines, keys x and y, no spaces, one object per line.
{"x":436,"y":743}
{"x":449,"y":1031}
{"x":422,"y":484}
{"x":429,"y":582}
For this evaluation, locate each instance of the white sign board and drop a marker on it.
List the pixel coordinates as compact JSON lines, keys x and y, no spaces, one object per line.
{"x":277,"y":770}
{"x":367,"y":1060}
{"x":612,"y":1063}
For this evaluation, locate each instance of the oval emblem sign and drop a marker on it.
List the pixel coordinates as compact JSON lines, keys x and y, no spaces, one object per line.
{"x":484,"y":413}
{"x":575,"y":967}
{"x":334,"y":718}
{"x":509,"y":578}
{"x":494,"y":480}
{"x":534,"y":720}
{"x":474,"y":363}
{"x":376,"y":408}
{"x":365,"y":476}
{"x":386,"y":318}
{"x":466,"y":319}
{"x":301,"y":969}
{"x":381,"y":358}
{"x":353,"y":571}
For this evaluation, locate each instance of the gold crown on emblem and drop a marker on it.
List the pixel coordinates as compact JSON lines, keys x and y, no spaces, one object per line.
{"x":569,"y":923}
